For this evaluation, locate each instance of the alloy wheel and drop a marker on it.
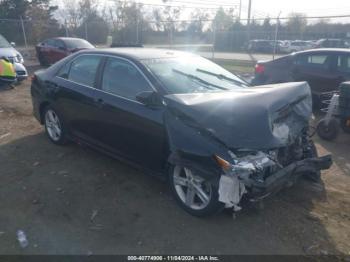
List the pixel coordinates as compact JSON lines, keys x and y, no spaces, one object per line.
{"x":192,"y":190}
{"x":53,"y":125}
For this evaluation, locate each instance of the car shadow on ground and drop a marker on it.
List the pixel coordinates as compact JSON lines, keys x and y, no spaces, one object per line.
{"x":341,"y":146}
{"x":72,"y":200}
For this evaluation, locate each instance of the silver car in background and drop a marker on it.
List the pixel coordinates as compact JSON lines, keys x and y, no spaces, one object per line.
{"x":296,"y":46}
{"x":8,"y":51}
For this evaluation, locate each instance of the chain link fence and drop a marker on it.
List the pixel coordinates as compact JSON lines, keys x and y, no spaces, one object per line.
{"x":174,"y":34}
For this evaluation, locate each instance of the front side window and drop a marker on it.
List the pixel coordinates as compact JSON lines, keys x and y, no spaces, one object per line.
{"x":122,"y":78}
{"x":83,"y":70}
{"x":50,"y":42}
{"x":192,"y":74}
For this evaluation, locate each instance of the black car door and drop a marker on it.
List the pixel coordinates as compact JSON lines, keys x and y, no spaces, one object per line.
{"x":316,"y":69}
{"x":126,"y":126}
{"x":342,"y":69}
{"x":73,"y":88}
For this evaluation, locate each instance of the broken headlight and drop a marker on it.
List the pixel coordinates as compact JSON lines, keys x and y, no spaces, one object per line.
{"x":253,"y":162}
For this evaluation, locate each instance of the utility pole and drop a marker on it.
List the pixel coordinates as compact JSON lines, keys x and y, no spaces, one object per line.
{"x":214,"y":40}
{"x":137,"y":22}
{"x":86,"y":31}
{"x":248,"y":21}
{"x":24,"y":32}
{"x":240,"y":10}
{"x":66,"y":27}
{"x":276,"y":35}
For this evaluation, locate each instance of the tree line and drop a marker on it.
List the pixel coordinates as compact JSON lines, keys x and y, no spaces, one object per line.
{"x":130,"y":22}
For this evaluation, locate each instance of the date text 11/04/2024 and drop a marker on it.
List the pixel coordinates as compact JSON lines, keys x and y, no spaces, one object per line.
{"x":173,"y":258}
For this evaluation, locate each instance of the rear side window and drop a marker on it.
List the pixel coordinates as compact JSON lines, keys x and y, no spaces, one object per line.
{"x":64,"y":71}
{"x":315,"y":60}
{"x":123,"y":79}
{"x":83,"y":70}
{"x":343,"y":63}
{"x":59,"y":44}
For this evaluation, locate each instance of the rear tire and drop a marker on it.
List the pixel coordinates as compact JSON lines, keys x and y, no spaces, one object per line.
{"x":54,"y":126}
{"x":195,"y":194}
{"x":328,"y":131}
{"x":345,"y":128}
{"x":42,"y":61}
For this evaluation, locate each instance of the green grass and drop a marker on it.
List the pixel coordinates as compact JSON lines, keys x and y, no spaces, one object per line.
{"x":236,"y":66}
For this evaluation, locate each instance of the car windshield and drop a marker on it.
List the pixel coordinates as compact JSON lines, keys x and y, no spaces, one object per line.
{"x":192,"y":74}
{"x":3,"y":42}
{"x":77,"y":43}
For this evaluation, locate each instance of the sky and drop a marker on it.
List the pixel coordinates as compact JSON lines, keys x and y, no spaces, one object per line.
{"x":260,"y":8}
{"x":263,"y":8}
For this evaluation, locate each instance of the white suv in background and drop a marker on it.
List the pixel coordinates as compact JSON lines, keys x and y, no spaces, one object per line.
{"x":296,"y":46}
{"x":8,"y":51}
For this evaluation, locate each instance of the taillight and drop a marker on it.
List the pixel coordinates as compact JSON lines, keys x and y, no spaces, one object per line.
{"x":259,"y":69}
{"x":33,"y":78}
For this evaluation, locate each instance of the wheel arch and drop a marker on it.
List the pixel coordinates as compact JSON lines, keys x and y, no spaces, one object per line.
{"x":42,"y":108}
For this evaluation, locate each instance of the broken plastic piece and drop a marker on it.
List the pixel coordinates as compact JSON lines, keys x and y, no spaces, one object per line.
{"x":231,"y":190}
{"x":22,"y":239}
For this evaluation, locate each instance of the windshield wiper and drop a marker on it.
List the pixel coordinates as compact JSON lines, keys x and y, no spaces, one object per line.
{"x":221,"y":76}
{"x":198,"y":79}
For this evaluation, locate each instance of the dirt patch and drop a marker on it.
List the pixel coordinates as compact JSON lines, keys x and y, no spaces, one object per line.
{"x":72,"y":200}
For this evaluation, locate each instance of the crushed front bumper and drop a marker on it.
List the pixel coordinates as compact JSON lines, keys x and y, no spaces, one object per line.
{"x":232,"y":186}
{"x":290,"y":173}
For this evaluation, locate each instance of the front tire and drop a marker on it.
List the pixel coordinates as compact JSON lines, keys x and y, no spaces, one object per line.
{"x":54,"y":126}
{"x":313,"y":176}
{"x":42,"y":61}
{"x":195,"y":194}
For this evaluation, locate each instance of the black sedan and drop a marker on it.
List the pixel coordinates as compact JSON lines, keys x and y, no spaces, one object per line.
{"x":179,"y":116}
{"x":323,"y":69}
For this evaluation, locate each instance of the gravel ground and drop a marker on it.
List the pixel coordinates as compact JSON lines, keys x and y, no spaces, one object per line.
{"x":73,"y":200}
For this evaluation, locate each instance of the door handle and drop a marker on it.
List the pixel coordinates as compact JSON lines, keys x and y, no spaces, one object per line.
{"x":100,"y":102}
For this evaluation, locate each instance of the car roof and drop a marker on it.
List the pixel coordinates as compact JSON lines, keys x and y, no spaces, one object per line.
{"x":139,"y":53}
{"x":331,"y":39}
{"x":67,"y":38}
{"x":329,"y":50}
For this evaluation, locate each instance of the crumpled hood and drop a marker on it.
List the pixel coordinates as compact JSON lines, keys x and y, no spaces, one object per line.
{"x":263,"y":117}
{"x":8,"y":52}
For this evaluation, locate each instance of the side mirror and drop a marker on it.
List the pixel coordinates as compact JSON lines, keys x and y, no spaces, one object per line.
{"x":62,"y":48}
{"x":148,"y":98}
{"x":13,"y":44}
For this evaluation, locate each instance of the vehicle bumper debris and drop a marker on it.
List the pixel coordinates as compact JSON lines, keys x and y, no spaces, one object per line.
{"x":243,"y":178}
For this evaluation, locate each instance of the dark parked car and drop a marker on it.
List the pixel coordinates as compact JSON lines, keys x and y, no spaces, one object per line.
{"x":182,"y":118}
{"x":54,"y":49}
{"x":262,"y":46}
{"x":323,"y":69}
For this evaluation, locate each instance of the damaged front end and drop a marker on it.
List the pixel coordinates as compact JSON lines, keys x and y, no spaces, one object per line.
{"x":252,"y":141}
{"x":260,"y":174}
